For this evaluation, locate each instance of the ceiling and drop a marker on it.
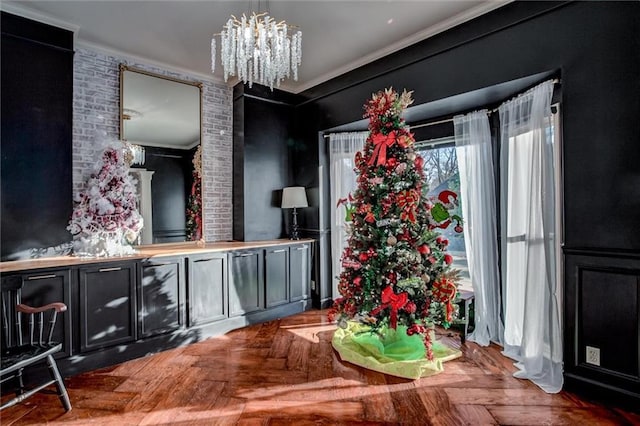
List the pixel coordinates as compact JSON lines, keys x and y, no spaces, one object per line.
{"x":337,"y":36}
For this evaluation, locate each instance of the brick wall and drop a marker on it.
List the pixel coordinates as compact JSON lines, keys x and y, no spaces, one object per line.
{"x":96,"y":119}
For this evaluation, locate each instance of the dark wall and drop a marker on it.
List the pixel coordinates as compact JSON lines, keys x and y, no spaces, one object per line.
{"x":170,"y":188}
{"x":263,"y":123}
{"x":594,"y":47}
{"x":37,"y":90}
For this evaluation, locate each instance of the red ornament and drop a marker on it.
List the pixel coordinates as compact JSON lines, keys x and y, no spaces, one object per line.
{"x":391,"y":163}
{"x":424,"y":249}
{"x":442,"y":240}
{"x":448,"y":259}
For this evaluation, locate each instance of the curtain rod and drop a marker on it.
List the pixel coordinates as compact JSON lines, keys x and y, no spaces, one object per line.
{"x":447,"y":120}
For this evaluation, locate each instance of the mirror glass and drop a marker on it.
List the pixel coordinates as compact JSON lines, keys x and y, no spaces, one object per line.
{"x":161,"y":117}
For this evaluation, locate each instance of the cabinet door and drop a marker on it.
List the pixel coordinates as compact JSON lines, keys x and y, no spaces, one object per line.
{"x":107,"y":305}
{"x":207,"y":288}
{"x":299,"y":276}
{"x":276,"y":276}
{"x":48,"y":286}
{"x":161,"y":296}
{"x":246,"y":287}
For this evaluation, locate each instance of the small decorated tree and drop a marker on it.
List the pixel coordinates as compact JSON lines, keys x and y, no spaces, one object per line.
{"x":105,"y":220}
{"x":396,"y":271}
{"x":194,"y":203}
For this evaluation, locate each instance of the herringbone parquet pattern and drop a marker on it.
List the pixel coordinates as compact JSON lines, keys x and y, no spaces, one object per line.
{"x":286,"y":372}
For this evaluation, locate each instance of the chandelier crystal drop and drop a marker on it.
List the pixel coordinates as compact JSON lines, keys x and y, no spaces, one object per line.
{"x":258,"y":49}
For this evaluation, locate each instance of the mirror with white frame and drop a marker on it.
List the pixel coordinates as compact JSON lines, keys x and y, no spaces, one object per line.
{"x":162,"y":118}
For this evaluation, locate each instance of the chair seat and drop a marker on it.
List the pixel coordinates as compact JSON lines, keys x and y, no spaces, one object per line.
{"x":17,"y":357}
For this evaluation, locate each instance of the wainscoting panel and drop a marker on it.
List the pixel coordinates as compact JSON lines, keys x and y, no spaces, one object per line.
{"x":602,"y":314}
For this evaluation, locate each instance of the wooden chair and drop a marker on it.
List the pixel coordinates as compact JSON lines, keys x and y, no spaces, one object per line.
{"x":16,"y":354}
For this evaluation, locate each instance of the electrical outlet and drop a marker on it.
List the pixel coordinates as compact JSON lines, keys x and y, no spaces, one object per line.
{"x":313,"y":285}
{"x":593,"y":355}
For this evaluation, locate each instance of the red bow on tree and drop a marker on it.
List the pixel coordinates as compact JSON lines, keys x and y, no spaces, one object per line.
{"x":381,"y":143}
{"x":394,"y":302}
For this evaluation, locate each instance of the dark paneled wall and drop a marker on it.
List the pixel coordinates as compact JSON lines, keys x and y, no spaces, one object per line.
{"x":262,"y":131}
{"x":595,"y":48}
{"x":37,"y":88}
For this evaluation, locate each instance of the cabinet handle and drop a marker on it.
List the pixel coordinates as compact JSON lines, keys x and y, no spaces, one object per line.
{"x":301,"y":248}
{"x":41,"y":277}
{"x":279,"y":251}
{"x":247,"y":254}
{"x":109,"y":269}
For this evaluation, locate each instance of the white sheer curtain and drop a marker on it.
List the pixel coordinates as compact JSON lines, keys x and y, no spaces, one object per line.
{"x":477,"y":192}
{"x":531,"y":291}
{"x":342,"y":151}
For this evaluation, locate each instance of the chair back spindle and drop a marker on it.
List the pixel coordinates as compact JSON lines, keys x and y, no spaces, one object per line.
{"x":16,"y":354}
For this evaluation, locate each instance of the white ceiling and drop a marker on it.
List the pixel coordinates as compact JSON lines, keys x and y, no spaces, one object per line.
{"x":337,"y":36}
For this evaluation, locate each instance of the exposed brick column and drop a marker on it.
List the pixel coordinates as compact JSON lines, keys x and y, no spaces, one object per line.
{"x":96,"y":97}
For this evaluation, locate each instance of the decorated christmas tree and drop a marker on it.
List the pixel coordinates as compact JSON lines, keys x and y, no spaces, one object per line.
{"x":105,"y":220}
{"x":396,"y":272}
{"x":194,"y":203}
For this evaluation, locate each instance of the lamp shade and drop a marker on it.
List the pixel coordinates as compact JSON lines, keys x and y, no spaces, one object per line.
{"x":294,"y":196}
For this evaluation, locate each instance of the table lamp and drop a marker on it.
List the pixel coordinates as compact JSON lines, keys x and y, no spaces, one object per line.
{"x":294,"y":197}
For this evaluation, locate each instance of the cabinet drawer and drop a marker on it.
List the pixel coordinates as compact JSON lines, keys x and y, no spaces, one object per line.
{"x":161,"y":297}
{"x":207,"y":288}
{"x":107,"y":294}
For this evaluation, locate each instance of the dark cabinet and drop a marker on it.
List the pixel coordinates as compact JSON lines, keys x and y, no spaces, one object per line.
{"x":107,"y":295}
{"x":48,"y":286}
{"x":121,"y":309}
{"x":246,"y":284}
{"x":299,"y":271}
{"x":161,"y":296}
{"x":276,"y":274}
{"x":207,"y":288}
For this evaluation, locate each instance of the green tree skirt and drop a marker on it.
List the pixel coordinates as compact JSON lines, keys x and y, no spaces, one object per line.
{"x":391,"y":352}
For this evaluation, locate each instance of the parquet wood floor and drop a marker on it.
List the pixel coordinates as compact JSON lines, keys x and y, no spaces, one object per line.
{"x":285,"y":372}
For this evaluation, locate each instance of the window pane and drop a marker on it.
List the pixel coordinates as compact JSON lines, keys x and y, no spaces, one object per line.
{"x":441,"y":173}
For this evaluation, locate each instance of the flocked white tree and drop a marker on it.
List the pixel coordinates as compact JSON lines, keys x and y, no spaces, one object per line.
{"x":105,"y":220}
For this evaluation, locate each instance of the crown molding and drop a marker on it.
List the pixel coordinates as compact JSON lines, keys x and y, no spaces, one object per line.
{"x":439,"y":27}
{"x":34,"y":15}
{"x":25,"y":12}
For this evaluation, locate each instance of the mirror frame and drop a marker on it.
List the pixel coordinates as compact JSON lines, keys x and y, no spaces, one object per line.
{"x":125,"y":67}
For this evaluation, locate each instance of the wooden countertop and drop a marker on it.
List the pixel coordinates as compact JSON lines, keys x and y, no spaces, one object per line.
{"x":145,"y":252}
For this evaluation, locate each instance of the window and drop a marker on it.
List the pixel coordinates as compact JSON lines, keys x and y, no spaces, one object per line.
{"x":441,"y":173}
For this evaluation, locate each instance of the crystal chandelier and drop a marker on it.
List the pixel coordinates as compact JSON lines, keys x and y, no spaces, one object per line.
{"x":134,"y":154}
{"x":258,"y":49}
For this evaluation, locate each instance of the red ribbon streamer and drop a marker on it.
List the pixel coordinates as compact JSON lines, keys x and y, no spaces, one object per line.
{"x":393,"y":301}
{"x":407,"y":200}
{"x":381,"y":143}
{"x":445,"y":291}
